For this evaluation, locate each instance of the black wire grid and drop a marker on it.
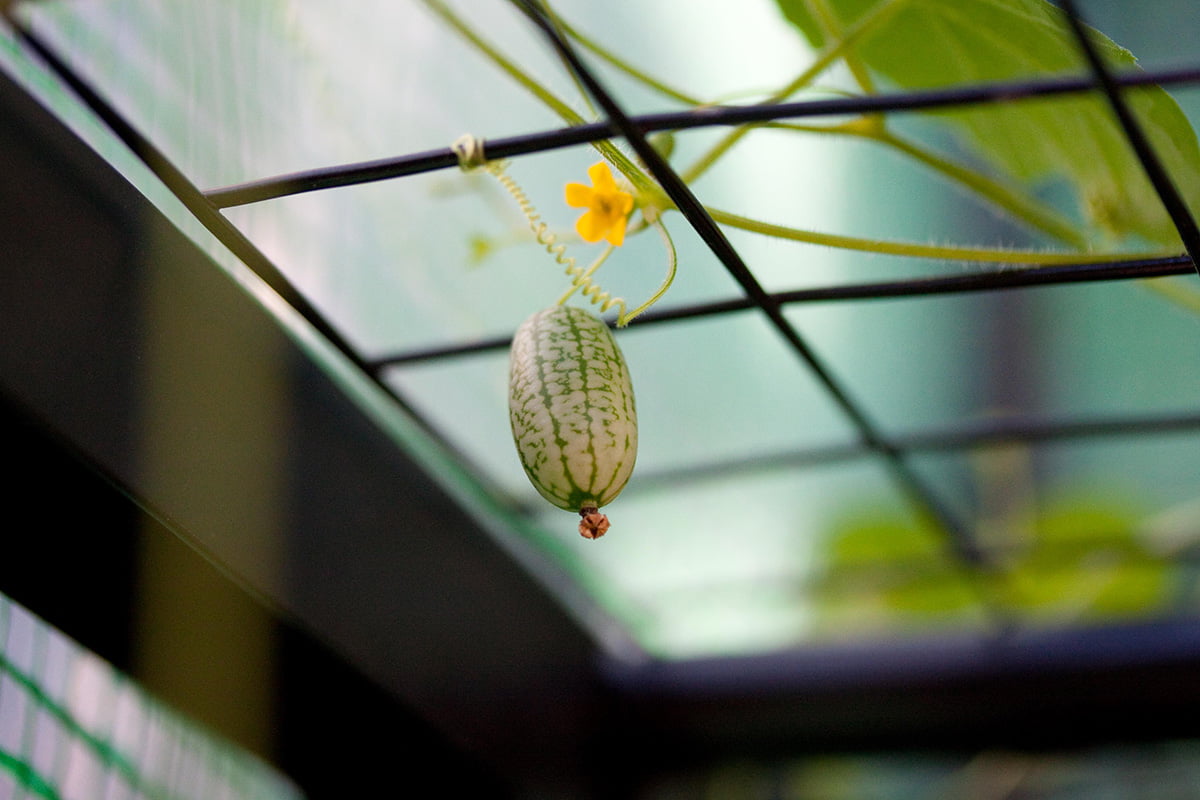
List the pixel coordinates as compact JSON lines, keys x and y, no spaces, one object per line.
{"x":893,"y":451}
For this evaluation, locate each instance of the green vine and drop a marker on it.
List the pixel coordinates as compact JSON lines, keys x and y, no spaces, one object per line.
{"x":471,"y":157}
{"x":840,"y":42}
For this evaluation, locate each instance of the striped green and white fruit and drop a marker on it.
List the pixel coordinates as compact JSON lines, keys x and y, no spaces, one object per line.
{"x":570,"y":402}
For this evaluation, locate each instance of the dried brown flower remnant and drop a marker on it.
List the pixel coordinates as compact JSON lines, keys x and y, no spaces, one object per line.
{"x":592,"y":524}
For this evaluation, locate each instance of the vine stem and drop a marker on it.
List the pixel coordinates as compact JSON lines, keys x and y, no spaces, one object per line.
{"x":624,"y":66}
{"x":1022,"y":207}
{"x":653,"y":198}
{"x":610,"y":151}
{"x":834,"y":30}
{"x":915,"y":250}
{"x":672,"y":265}
{"x":823,"y":61}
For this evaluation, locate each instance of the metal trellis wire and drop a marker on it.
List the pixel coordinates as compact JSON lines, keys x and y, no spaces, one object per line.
{"x":1185,"y":224}
{"x":710,"y":116}
{"x":894,"y":450}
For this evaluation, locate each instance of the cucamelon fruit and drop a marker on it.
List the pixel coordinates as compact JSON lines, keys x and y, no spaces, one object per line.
{"x":571,"y":406}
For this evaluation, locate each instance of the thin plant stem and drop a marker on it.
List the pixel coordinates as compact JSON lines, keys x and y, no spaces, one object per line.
{"x":672,"y":264}
{"x":552,"y":101}
{"x":1020,"y":205}
{"x":584,"y":279}
{"x":833,"y":29}
{"x":485,"y":48}
{"x":1024,"y":208}
{"x":911,"y":249}
{"x":579,"y":89}
{"x":823,"y":61}
{"x":624,"y":66}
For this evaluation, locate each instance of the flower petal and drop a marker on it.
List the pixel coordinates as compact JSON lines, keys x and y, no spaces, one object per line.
{"x":591,"y":226}
{"x":602,"y":177}
{"x":579,"y":196}
{"x":616,"y":232}
{"x":625,"y":203}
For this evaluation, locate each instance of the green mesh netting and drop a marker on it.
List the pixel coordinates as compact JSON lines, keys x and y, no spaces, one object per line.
{"x":71,"y":726}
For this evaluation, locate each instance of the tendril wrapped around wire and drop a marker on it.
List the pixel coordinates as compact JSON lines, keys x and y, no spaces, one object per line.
{"x":471,"y":157}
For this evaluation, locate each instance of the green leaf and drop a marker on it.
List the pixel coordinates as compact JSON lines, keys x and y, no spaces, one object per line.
{"x":882,"y":569}
{"x":929,"y":44}
{"x":1076,"y":557}
{"x":1086,"y":561}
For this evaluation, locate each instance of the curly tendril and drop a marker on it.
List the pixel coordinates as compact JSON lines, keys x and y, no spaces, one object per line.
{"x":469,"y":150}
{"x":471,"y":157}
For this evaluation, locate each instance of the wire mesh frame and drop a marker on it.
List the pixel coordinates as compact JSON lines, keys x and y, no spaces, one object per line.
{"x":894,"y":450}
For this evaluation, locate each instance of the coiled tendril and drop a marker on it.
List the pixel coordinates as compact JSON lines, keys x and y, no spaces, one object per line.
{"x":471,"y":157}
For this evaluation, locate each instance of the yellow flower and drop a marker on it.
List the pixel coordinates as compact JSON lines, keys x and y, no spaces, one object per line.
{"x":607,"y":206}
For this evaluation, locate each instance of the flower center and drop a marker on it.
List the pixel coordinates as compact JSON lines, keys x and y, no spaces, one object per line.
{"x":606,"y":206}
